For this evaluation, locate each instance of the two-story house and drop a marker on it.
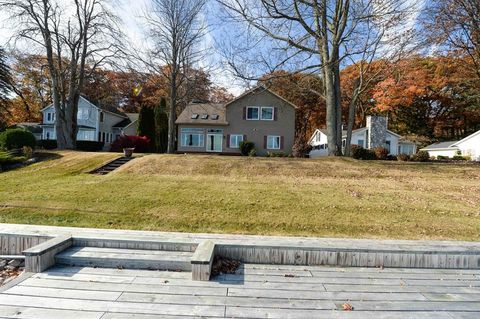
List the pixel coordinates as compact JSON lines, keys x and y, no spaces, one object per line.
{"x":259,"y":116}
{"x":94,"y":123}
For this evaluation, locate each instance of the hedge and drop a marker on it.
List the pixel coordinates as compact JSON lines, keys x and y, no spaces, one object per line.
{"x":16,"y":138}
{"x":86,"y":146}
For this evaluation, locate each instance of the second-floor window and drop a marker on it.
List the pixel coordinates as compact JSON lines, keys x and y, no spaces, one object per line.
{"x":253,"y":113}
{"x":50,"y":117}
{"x":267,"y":113}
{"x":101,"y":117}
{"x":84,"y":114}
{"x":264,"y":113}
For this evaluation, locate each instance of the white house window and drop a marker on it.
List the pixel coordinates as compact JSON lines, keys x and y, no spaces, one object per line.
{"x":192,"y":137}
{"x":253,"y":113}
{"x":273,"y":142}
{"x":101,"y":116}
{"x":360,"y":143}
{"x":267,"y":113}
{"x":49,"y":117}
{"x":235,"y":141}
{"x":83,"y":114}
{"x":48,"y":134}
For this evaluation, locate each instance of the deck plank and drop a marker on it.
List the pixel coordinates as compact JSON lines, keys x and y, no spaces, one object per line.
{"x":258,"y":291}
{"x":108,"y":306}
{"x":43,"y":313}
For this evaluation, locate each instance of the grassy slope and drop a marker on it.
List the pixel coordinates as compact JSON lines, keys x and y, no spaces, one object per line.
{"x":324,"y":197}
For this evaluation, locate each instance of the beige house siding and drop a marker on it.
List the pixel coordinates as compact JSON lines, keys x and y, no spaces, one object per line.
{"x":255,"y":131}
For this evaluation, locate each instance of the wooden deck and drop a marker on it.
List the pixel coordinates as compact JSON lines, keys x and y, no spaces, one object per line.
{"x":255,"y":291}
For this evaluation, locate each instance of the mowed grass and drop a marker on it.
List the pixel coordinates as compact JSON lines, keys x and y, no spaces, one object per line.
{"x":335,"y":197}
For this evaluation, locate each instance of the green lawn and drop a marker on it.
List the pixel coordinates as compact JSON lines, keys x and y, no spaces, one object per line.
{"x":322,"y":197}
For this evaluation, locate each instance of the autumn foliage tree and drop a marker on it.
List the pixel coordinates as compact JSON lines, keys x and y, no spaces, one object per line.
{"x":429,"y":96}
{"x":298,"y":89}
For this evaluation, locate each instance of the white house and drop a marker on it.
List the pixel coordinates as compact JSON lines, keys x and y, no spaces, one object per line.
{"x":374,"y":134}
{"x":94,"y":123}
{"x":469,"y":146}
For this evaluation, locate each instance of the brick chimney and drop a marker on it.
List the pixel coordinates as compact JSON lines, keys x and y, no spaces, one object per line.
{"x":377,"y":131}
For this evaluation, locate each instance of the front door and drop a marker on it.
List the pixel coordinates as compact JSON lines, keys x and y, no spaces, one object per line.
{"x":214,"y":142}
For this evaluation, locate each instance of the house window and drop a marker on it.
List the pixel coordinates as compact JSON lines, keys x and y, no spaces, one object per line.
{"x":48,"y":134}
{"x":387,"y":145}
{"x":192,"y":137}
{"x":253,"y":113}
{"x":49,"y":117}
{"x":267,"y":113}
{"x":101,"y":117}
{"x":83,"y":114}
{"x":360,"y":143}
{"x":103,"y":137}
{"x":235,"y":141}
{"x":273,"y":142}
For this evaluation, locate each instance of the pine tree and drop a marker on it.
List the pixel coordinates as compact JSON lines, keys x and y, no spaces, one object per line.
{"x":161,"y":126}
{"x":146,"y":124}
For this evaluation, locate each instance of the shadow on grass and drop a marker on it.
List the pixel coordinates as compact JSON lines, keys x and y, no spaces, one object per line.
{"x":38,"y":157}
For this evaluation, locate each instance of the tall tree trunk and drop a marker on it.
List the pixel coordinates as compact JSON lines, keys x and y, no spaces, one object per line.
{"x":338,"y":108}
{"x":331,"y":117}
{"x":351,"y":117}
{"x":172,"y":116}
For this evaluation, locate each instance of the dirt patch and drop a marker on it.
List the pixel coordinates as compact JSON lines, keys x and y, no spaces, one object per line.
{"x":222,"y":265}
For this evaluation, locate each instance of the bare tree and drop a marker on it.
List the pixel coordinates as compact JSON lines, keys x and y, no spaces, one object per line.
{"x":176,"y":32}
{"x":318,"y":37}
{"x":72,"y":35}
{"x":5,"y":84}
{"x":455,"y":25}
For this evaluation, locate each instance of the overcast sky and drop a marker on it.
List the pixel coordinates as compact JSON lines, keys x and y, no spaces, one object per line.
{"x":131,"y":11}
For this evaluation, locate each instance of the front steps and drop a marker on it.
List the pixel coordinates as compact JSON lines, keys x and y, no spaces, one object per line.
{"x":125,"y":258}
{"x":111,"y":166}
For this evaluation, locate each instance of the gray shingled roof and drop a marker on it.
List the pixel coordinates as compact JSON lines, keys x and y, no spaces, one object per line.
{"x":440,"y":145}
{"x":203,"y":108}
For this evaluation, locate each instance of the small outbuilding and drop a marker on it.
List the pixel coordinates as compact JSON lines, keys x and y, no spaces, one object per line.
{"x":468,"y":147}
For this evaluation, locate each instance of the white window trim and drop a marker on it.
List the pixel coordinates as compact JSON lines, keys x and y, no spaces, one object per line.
{"x":258,"y":113}
{"x":279,"y":142}
{"x":235,"y":135}
{"x":267,"y":107}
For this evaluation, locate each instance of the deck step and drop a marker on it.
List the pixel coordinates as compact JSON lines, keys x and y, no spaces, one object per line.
{"x":125,"y":258}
